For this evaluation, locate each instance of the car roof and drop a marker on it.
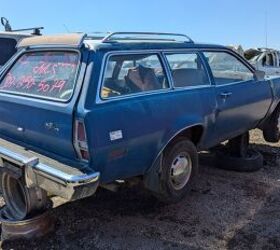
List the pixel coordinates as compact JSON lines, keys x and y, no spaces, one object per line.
{"x":147,"y":45}
{"x":95,"y":43}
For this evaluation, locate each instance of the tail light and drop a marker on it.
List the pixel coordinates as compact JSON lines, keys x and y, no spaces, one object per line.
{"x":80,"y":140}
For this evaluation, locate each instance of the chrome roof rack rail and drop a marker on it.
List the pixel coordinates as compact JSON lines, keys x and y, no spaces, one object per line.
{"x":146,"y":36}
{"x":97,"y":35}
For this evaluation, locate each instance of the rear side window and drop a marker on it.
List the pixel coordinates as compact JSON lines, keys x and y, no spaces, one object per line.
{"x":226,"y":68}
{"x":7,"y":49}
{"x":49,"y":75}
{"x":187,"y":70}
{"x":133,"y":73}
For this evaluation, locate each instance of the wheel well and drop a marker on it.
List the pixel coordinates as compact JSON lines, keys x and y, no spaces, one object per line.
{"x":193,"y":133}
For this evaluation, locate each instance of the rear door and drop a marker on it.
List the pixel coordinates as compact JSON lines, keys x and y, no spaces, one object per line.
{"x":242,"y":101}
{"x":37,"y":98}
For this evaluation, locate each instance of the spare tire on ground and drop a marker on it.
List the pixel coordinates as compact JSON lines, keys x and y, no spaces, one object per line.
{"x":250,"y":163}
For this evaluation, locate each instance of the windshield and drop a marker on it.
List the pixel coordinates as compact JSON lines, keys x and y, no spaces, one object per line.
{"x":50,"y":75}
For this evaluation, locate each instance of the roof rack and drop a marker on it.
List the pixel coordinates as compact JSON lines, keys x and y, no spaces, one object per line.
{"x":8,"y":28}
{"x":146,"y":36}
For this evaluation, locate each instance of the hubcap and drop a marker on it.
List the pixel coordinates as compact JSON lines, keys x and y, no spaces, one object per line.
{"x":180,"y":171}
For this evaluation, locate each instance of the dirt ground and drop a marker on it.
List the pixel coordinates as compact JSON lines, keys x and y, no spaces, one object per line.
{"x":227,"y":210}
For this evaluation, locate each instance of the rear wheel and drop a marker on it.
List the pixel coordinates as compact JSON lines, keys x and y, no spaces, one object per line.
{"x":178,"y":170}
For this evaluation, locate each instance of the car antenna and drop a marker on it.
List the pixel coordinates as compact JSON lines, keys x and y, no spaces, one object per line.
{"x":66,"y":28}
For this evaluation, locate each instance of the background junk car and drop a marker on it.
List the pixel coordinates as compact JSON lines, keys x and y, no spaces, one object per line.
{"x":9,"y":39}
{"x":79,"y":112}
{"x":265,"y":59}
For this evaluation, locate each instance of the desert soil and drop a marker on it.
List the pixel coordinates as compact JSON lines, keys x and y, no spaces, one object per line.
{"x":226,"y":210}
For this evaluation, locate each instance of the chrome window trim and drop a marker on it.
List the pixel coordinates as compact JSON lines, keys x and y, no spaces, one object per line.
{"x":210,"y":83}
{"x":23,"y":51}
{"x":165,"y":64}
{"x":234,"y":83}
{"x":239,"y":58}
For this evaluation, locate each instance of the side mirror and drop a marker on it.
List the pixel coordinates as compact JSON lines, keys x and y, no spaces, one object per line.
{"x":260,"y":75}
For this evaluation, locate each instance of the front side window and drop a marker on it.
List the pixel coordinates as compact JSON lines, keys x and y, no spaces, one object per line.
{"x":133,"y":73}
{"x":187,"y":70}
{"x":49,"y":75}
{"x":227,"y":69}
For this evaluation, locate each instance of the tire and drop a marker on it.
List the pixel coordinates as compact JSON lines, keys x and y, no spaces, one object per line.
{"x":271,"y":130}
{"x":238,"y":146}
{"x":21,"y":202}
{"x":252,"y":162}
{"x":175,"y":184}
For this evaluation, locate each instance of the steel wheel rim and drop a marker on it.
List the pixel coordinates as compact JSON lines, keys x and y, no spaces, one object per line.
{"x":181,"y":170}
{"x":15,"y":197}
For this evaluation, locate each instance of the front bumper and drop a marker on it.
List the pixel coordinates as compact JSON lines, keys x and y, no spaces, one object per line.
{"x":58,"y":179}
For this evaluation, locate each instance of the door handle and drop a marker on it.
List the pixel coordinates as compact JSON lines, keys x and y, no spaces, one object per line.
{"x":225,"y":95}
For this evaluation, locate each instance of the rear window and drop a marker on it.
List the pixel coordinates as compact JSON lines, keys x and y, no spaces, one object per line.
{"x":7,"y":49}
{"x":49,"y":75}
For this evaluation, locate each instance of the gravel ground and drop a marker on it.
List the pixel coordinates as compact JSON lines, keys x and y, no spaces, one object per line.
{"x":226,"y":210}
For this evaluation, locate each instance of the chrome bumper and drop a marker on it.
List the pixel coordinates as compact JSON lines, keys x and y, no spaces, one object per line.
{"x":57,"y":182}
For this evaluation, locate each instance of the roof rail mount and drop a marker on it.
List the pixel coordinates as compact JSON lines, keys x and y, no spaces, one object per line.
{"x":146,"y":36}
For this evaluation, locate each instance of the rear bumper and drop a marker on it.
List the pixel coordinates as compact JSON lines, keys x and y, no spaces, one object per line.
{"x":54,"y":177}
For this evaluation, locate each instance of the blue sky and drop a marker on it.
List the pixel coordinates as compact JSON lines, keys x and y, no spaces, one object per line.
{"x":214,"y":21}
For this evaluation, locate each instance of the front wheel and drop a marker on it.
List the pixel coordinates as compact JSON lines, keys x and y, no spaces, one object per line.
{"x":178,"y":170}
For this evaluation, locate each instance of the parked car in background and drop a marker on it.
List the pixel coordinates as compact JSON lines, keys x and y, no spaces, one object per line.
{"x":78,"y":112}
{"x":8,"y":42}
{"x":9,"y":39}
{"x":267,"y":60}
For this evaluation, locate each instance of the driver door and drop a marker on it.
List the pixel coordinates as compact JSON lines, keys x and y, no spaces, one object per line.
{"x":241,"y":101}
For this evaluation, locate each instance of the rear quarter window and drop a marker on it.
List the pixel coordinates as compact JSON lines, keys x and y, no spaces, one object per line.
{"x":49,"y":75}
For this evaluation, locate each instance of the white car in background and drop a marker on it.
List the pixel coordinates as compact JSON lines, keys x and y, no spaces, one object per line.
{"x":264,"y":59}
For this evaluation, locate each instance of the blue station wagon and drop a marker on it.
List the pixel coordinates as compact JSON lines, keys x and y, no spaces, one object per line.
{"x":79,"y":112}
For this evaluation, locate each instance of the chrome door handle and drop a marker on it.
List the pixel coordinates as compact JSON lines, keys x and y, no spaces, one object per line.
{"x":225,"y":95}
